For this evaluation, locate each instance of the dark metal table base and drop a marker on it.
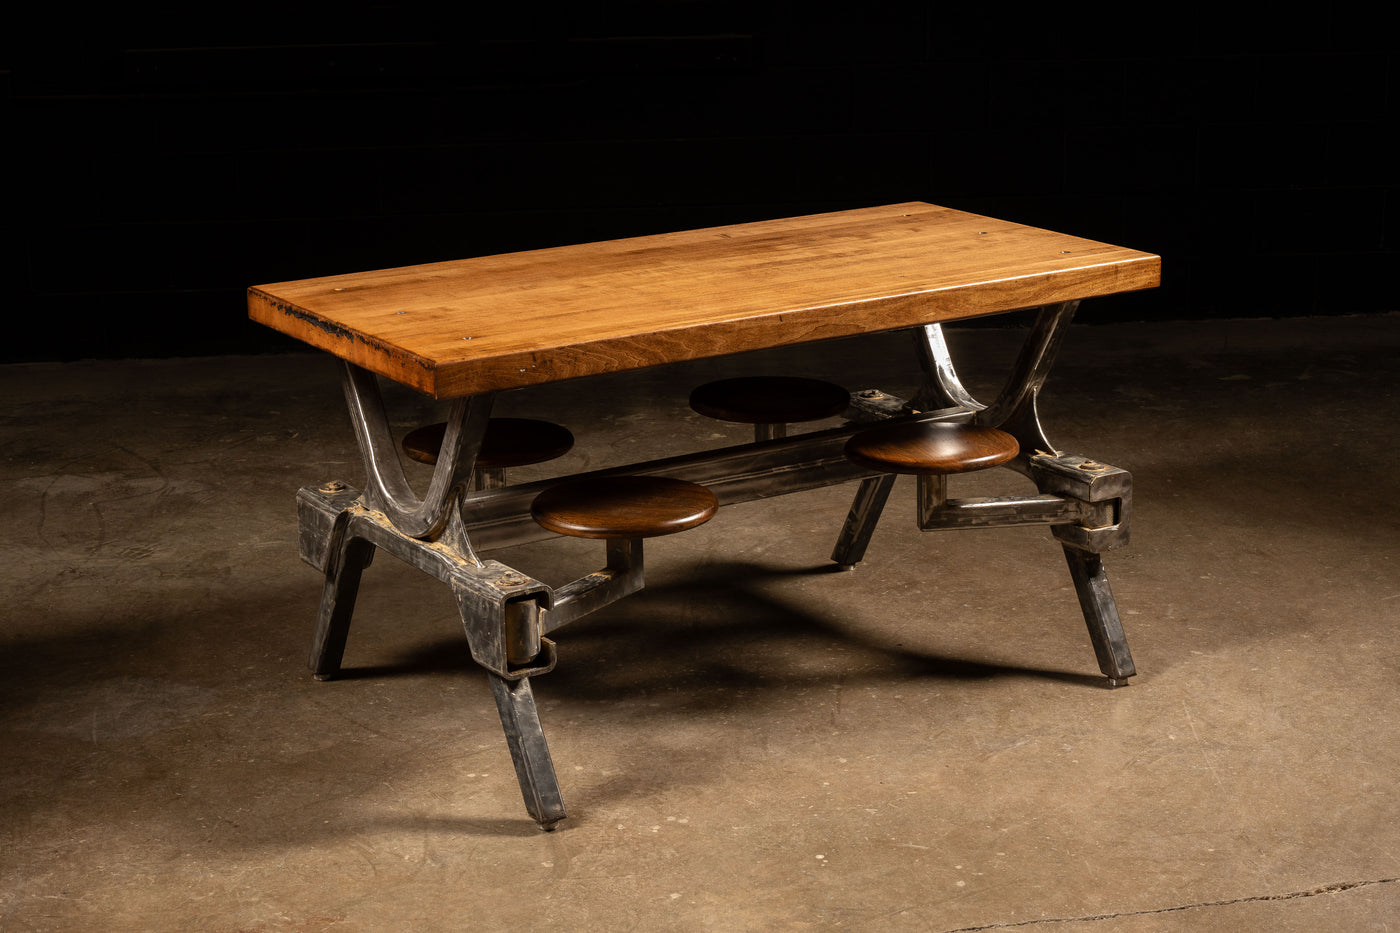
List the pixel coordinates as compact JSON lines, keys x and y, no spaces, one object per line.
{"x":507,"y":615}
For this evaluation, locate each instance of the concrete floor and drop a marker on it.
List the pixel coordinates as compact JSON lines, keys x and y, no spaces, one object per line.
{"x":751,"y":743}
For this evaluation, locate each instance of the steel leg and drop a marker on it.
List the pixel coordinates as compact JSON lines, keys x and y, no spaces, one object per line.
{"x":388,"y":488}
{"x":337,"y":606}
{"x":1101,"y":615}
{"x":1015,"y":409}
{"x":533,"y":766}
{"x":860,"y":523}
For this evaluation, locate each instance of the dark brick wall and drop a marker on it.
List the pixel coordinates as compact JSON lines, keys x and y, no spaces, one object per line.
{"x":157,"y":168}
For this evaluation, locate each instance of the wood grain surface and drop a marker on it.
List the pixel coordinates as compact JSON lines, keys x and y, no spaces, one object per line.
{"x":926,"y":447}
{"x":457,"y":328}
{"x":623,"y":507}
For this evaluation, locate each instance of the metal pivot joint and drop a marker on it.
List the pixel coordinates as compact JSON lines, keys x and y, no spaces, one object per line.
{"x":500,"y":607}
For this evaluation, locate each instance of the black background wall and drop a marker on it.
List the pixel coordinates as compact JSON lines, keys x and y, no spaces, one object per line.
{"x":156,"y":167}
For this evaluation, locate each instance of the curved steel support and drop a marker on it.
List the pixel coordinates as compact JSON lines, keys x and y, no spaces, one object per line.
{"x":388,"y":489}
{"x":1014,"y":410}
{"x":942,"y":388}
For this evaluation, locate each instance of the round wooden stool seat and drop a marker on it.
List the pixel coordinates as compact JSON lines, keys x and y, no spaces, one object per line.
{"x":930,"y":447}
{"x":770,"y":399}
{"x":508,"y":442}
{"x":623,"y":507}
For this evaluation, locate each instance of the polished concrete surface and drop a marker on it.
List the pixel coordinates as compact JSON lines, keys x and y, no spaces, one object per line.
{"x":753,"y":742}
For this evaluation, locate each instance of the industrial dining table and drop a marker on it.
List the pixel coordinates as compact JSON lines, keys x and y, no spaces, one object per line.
{"x":466,"y":330}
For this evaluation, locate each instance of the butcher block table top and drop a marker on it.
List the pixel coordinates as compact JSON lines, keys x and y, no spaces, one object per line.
{"x":468,"y":326}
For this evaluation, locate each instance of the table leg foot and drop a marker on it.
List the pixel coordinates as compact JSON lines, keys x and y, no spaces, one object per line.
{"x":1101,"y":615}
{"x":337,"y":606}
{"x":534,"y":767}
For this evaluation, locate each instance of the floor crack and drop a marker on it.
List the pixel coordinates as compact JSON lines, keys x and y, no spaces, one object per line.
{"x":1334,"y":888}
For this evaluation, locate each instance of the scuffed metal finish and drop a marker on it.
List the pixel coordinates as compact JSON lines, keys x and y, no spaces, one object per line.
{"x":1101,"y":615}
{"x":507,"y":615}
{"x":623,"y":576}
{"x":1086,"y":503}
{"x":488,"y":592}
{"x":1107,"y":488}
{"x":859,"y":526}
{"x":389,"y":490}
{"x":534,"y":767}
{"x":321,"y":521}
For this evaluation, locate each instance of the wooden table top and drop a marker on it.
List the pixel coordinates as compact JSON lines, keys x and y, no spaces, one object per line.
{"x":457,"y":328}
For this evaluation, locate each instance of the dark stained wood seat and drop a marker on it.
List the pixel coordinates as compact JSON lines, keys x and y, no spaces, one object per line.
{"x":930,"y":448}
{"x":508,"y":442}
{"x":623,"y":507}
{"x":770,"y":400}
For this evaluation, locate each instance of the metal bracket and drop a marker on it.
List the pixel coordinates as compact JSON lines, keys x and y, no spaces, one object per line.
{"x":623,"y":575}
{"x":1085,"y":503}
